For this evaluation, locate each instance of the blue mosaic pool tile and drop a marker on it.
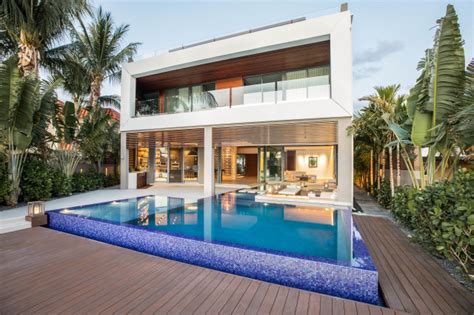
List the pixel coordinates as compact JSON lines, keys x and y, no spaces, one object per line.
{"x":336,"y":280}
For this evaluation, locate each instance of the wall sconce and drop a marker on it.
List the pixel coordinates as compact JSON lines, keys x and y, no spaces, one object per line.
{"x":36,"y":214}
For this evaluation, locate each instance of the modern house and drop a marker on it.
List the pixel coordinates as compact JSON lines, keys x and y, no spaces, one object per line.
{"x":265,"y":108}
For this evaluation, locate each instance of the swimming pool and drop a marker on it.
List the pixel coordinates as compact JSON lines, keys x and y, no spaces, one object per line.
{"x":312,"y":248}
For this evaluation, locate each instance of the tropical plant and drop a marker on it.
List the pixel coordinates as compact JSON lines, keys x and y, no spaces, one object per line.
{"x":81,"y":138}
{"x":96,"y":132}
{"x":438,"y":95}
{"x":35,"y":26}
{"x":391,"y":109}
{"x":36,"y":183}
{"x":99,"y":45}
{"x":371,"y":131}
{"x":25,"y":104}
{"x":442,"y":216}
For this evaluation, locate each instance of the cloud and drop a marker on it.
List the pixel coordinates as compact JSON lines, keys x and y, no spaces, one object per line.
{"x":360,"y":73}
{"x":382,"y":49}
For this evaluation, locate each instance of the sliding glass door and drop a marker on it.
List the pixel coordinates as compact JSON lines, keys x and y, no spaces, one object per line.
{"x":270,"y":164}
{"x":176,"y":165}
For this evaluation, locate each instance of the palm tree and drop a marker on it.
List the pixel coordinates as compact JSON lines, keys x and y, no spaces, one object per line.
{"x":35,"y":26}
{"x":25,"y":104}
{"x":390,"y":106}
{"x":99,"y":44}
{"x":69,"y":68}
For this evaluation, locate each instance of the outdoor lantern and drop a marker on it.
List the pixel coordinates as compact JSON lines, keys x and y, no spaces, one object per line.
{"x":35,"y":208}
{"x":36,"y":213}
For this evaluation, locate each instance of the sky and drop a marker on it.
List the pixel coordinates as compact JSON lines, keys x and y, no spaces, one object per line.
{"x":388,"y":37}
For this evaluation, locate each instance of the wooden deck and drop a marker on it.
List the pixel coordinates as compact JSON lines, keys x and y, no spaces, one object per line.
{"x":410,"y":279}
{"x":45,"y":271}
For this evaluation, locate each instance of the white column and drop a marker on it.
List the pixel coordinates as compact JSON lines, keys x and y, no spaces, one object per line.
{"x":344,"y":162}
{"x":201,"y":165}
{"x":123,"y":161}
{"x":208,"y":163}
{"x":151,"y":163}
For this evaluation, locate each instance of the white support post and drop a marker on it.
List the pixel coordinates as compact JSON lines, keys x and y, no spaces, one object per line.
{"x":151,"y":163}
{"x":344,"y":162}
{"x":208,"y":163}
{"x":123,"y":161}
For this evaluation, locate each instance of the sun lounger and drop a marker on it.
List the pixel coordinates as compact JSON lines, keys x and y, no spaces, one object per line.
{"x":290,"y":190}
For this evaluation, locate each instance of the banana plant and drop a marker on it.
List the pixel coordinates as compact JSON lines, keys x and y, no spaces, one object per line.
{"x":438,"y":94}
{"x":25,"y":105}
{"x":79,"y":138}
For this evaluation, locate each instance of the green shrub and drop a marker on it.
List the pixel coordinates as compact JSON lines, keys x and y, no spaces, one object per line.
{"x":91,"y":180}
{"x":442,"y":216}
{"x":61,"y":184}
{"x":384,"y":195}
{"x":79,"y":182}
{"x":35,"y":181}
{"x":111,"y":180}
{"x":4,"y":182}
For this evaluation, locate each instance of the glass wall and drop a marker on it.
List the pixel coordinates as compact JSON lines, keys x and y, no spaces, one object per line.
{"x":176,"y":165}
{"x":279,"y":87}
{"x":161,"y":165}
{"x":270,"y":164}
{"x":191,"y":164}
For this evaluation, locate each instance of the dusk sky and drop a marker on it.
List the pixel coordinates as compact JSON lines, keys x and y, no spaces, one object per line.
{"x":389,"y":37}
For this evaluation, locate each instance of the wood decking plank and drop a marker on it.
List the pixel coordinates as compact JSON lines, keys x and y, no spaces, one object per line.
{"x":291,"y":302}
{"x":70,"y":274}
{"x":414,"y":274}
{"x":426,"y":290}
{"x":303,"y":302}
{"x":267,"y":303}
{"x":257,"y":298}
{"x":280,"y":300}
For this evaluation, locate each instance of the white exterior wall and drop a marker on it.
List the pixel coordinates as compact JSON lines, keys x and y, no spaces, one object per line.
{"x":335,"y":27}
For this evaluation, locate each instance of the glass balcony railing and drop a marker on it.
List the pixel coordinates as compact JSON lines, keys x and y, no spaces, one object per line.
{"x":147,"y":107}
{"x":267,"y":93}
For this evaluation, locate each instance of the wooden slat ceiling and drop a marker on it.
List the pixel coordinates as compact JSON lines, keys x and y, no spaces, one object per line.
{"x":303,"y":56}
{"x":301,"y":133}
{"x":185,"y":137}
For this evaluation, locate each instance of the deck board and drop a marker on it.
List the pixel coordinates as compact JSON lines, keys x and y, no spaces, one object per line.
{"x":45,"y":271}
{"x":410,"y":279}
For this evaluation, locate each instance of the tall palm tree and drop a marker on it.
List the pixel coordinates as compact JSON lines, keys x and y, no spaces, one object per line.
{"x":36,"y":25}
{"x":391,"y":108}
{"x":25,"y":104}
{"x":100,"y":46}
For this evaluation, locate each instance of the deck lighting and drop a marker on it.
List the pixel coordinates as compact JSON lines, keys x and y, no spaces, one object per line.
{"x":36,"y":213}
{"x":35,"y":208}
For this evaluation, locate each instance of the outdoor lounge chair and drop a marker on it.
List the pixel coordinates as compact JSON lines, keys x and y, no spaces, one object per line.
{"x":290,"y":190}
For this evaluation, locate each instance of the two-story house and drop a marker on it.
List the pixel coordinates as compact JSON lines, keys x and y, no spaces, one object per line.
{"x":269,"y":105}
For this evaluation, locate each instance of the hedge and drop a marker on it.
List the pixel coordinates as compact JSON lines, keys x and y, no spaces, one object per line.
{"x":40,"y":181}
{"x":441,"y":216}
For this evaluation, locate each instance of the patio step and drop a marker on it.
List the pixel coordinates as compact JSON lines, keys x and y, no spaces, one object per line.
{"x":13,"y":224}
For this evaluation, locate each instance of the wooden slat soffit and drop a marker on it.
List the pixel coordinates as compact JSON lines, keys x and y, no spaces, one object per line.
{"x":296,"y":133}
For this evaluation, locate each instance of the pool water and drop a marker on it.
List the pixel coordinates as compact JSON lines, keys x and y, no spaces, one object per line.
{"x":236,"y":219}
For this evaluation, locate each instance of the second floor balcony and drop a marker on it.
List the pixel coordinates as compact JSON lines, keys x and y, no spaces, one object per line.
{"x":290,"y":86}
